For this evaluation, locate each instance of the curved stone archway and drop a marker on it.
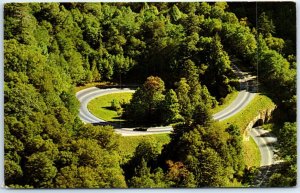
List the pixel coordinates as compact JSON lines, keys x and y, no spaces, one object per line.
{"x":262,"y":117}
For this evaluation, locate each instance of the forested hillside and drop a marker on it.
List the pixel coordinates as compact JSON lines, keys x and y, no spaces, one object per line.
{"x":190,"y":48}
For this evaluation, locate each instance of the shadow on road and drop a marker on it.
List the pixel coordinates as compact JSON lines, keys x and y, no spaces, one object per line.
{"x":118,"y":124}
{"x":268,"y":134}
{"x":101,"y":124}
{"x":269,"y":144}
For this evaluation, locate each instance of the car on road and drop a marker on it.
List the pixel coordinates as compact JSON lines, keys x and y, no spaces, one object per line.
{"x":140,"y":129}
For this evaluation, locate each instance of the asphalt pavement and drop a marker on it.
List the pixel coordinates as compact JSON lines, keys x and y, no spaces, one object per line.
{"x":265,"y":142}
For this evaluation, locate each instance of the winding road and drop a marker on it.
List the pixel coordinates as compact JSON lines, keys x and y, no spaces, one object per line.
{"x":242,"y":100}
{"x":265,"y":141}
{"x":86,"y":95}
{"x":247,"y":92}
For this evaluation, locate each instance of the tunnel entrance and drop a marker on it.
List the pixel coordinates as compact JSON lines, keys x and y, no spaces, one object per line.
{"x":258,"y":123}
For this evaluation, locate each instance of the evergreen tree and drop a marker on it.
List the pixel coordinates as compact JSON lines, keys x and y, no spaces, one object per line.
{"x":183,"y":99}
{"x":170,"y":108}
{"x":265,"y":26}
{"x":202,"y":115}
{"x":235,"y":147}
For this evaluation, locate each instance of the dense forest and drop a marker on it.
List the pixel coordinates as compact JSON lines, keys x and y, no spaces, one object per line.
{"x":182,"y":54}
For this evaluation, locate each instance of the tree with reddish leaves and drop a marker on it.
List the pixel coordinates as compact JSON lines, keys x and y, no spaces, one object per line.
{"x":145,"y":103}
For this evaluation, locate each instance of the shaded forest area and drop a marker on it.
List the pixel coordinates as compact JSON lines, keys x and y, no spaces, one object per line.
{"x":52,"y":47}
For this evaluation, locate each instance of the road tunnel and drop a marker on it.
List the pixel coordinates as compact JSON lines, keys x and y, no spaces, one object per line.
{"x":258,"y":123}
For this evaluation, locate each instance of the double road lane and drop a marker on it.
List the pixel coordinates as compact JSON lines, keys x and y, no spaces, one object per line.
{"x":265,"y":142}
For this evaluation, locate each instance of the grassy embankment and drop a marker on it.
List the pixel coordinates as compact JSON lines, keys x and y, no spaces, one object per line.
{"x":241,"y":119}
{"x":128,"y":144}
{"x":251,"y":153}
{"x":100,"y":106}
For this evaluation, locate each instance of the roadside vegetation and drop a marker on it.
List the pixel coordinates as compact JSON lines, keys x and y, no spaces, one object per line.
{"x":245,"y":116}
{"x":93,"y":84}
{"x":252,"y":155}
{"x":181,"y":54}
